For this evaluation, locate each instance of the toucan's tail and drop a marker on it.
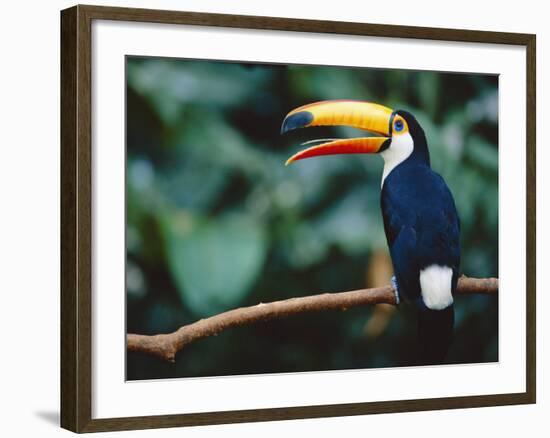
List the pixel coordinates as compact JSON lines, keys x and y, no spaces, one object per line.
{"x":435,"y":334}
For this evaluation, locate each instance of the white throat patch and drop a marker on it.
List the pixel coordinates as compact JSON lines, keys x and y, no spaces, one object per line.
{"x":400,"y":148}
{"x":435,"y":286}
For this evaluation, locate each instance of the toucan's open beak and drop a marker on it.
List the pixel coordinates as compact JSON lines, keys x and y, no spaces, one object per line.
{"x":363,"y":115}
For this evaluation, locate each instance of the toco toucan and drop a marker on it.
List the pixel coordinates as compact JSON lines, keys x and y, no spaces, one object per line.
{"x":420,"y":218}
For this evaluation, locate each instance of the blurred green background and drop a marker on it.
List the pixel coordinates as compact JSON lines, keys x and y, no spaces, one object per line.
{"x":216,"y":221}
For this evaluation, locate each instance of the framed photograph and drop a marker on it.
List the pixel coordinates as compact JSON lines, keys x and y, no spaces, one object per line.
{"x":289,"y":214}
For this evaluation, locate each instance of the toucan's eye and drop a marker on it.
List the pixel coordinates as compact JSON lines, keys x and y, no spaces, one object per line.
{"x":398,"y":125}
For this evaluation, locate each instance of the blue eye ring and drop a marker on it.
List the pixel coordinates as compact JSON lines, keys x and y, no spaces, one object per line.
{"x":398,"y":125}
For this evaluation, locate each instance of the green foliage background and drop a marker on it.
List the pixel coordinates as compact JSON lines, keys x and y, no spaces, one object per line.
{"x":216,"y":221}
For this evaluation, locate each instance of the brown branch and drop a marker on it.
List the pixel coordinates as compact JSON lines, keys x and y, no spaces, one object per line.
{"x":166,"y":346}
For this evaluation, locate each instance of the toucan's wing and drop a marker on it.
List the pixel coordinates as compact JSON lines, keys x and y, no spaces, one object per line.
{"x":439,"y":237}
{"x":403,"y":252}
{"x":402,"y":238}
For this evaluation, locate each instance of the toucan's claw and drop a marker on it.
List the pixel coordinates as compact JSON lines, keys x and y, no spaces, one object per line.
{"x":395,"y":289}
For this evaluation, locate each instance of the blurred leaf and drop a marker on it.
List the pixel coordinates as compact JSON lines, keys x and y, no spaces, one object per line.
{"x":195,"y":185}
{"x":210,"y":140}
{"x":482,"y":153}
{"x":354,"y":223}
{"x":170,"y":85}
{"x":428,"y":91}
{"x":214,"y":262}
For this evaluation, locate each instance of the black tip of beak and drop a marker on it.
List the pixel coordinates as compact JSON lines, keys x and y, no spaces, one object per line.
{"x":296,"y":120}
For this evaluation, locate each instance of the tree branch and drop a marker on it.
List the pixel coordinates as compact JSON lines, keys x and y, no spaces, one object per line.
{"x":166,"y":346}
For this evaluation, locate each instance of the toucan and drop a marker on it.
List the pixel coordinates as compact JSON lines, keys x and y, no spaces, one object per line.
{"x":421,"y":222}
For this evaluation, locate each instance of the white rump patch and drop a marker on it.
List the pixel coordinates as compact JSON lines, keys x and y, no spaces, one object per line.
{"x":435,"y":285}
{"x":401,"y":147}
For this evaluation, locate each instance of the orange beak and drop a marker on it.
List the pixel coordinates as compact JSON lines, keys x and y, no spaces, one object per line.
{"x":363,"y":115}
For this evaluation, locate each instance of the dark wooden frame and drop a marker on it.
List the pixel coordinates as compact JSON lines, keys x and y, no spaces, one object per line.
{"x":76,"y":226}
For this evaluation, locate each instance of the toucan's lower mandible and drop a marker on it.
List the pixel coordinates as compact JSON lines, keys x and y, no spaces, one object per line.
{"x":420,"y":218}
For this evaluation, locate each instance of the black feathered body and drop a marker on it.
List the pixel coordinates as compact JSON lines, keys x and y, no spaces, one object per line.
{"x":421,"y":225}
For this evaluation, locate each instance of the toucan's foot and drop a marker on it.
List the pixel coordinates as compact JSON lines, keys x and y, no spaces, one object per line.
{"x":395,"y":289}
